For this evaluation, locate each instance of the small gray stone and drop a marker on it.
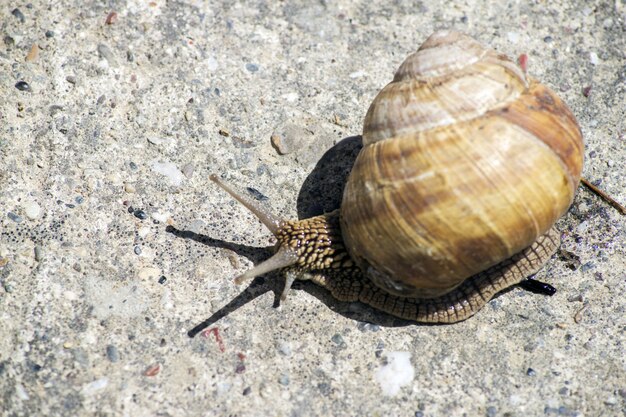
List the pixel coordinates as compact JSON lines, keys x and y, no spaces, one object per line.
{"x":105,"y":52}
{"x":187,"y":170}
{"x":283,"y":379}
{"x":14,"y":217}
{"x":19,"y":15}
{"x":112,"y":353}
{"x":252,"y":67}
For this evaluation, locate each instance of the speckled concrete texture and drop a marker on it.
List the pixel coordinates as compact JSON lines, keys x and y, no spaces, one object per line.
{"x":115,"y":246}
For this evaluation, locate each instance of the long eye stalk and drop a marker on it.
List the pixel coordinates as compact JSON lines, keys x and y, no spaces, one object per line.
{"x":285,"y":256}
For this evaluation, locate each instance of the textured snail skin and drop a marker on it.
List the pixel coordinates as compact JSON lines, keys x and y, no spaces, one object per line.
{"x":323,"y":259}
{"x":466,"y":166}
{"x":465,"y":163}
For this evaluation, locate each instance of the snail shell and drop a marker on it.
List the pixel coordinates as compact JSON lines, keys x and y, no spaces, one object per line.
{"x":465,"y":163}
{"x":466,"y":166}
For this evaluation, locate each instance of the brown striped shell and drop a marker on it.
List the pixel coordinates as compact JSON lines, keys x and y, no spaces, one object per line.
{"x":466,"y":161}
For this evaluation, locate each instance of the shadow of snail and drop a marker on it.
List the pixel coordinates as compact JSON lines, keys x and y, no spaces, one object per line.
{"x":466,"y":165}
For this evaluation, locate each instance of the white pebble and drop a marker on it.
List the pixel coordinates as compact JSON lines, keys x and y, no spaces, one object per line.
{"x":223,"y":387}
{"x":95,"y":386}
{"x":21,"y":392}
{"x":593,"y":58}
{"x":357,"y":74}
{"x":397,"y":373}
{"x":160,"y":217}
{"x":513,"y":37}
{"x":129,"y":188}
{"x":157,"y":141}
{"x":32,"y":210}
{"x":211,"y":64}
{"x":170,"y":171}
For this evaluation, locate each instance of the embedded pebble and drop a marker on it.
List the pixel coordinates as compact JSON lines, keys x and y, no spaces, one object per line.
{"x":169,"y":170}
{"x":337,"y":339}
{"x":32,"y":210}
{"x":23,"y":86}
{"x":49,"y":34}
{"x":160,"y":217}
{"x":33,"y":53}
{"x":512,"y":37}
{"x":105,"y":52}
{"x":289,"y":138}
{"x":257,"y":194}
{"x":252,"y":67}
{"x":593,"y":58}
{"x":129,"y":188}
{"x":112,"y":353}
{"x":137,"y":250}
{"x":162,"y":280}
{"x":283,"y":379}
{"x":531,"y":372}
{"x":395,"y":374}
{"x":211,"y":63}
{"x":140,"y":214}
{"x":284,"y":347}
{"x":95,"y":386}
{"x":38,"y":253}
{"x":223,"y":387}
{"x":14,"y":217}
{"x":18,"y":13}
{"x":21,"y":392}
{"x":188,"y":170}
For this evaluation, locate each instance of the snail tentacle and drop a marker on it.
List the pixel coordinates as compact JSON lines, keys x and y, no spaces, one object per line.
{"x":284,"y":256}
{"x":270,"y":221}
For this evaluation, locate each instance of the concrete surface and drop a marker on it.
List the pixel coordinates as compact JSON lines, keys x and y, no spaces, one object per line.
{"x":115,"y":245}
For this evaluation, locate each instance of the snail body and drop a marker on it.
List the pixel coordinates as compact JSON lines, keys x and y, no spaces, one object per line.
{"x":466,"y":165}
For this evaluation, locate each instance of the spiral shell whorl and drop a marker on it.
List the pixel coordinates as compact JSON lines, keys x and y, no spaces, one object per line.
{"x":465,"y":163}
{"x":450,"y":78}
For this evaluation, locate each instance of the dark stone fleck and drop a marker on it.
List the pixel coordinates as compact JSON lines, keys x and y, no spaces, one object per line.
{"x":240,"y":369}
{"x":70,"y":79}
{"x":132,"y":165}
{"x":130,"y":209}
{"x":137,"y":250}
{"x":23,"y":86}
{"x":112,"y":353}
{"x":140,"y":214}
{"x":324,"y":388}
{"x":492,"y":411}
{"x":257,"y":194}
{"x":79,"y":200}
{"x":247,"y":390}
{"x":563,"y":391}
{"x":547,"y":39}
{"x":18,"y":13}
{"x":8,"y":40}
{"x":419,"y":414}
{"x":587,"y":266}
{"x":162,"y":280}
{"x":70,"y":205}
{"x":531,"y":372}
{"x":252,"y":67}
{"x":49,"y":34}
{"x":14,"y":217}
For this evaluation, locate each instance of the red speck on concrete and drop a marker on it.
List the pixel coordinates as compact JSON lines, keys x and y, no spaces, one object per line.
{"x":522,"y":60}
{"x":218,"y":337}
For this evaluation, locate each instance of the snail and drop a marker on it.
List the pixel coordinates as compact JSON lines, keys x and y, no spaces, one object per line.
{"x":466,"y":165}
